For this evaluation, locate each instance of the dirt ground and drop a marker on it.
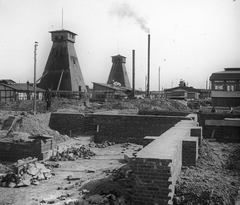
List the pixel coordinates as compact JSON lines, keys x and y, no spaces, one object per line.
{"x":50,"y":191}
{"x":96,"y":173}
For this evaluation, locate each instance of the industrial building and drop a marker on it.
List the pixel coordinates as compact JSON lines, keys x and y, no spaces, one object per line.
{"x":12,"y":91}
{"x":62,"y":71}
{"x":118,"y":84}
{"x":226,"y":88}
{"x":118,"y":71}
{"x":182,"y":92}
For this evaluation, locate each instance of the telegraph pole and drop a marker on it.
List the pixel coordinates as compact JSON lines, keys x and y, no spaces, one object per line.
{"x":34,"y":84}
{"x":159,"y":79}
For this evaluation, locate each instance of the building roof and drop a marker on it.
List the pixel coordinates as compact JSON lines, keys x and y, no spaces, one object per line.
{"x":7,"y":81}
{"x":22,"y":87}
{"x":227,"y":74}
{"x":110,"y":86}
{"x":119,"y":56}
{"x":183,"y":88}
{"x":62,"y":31}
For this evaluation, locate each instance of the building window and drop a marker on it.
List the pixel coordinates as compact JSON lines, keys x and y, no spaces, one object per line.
{"x":218,"y":84}
{"x":74,"y":62}
{"x":230,"y":87}
{"x":218,"y":87}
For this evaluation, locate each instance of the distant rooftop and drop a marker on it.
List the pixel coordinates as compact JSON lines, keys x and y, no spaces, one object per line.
{"x":232,"y":69}
{"x":7,"y":81}
{"x":228,"y":74}
{"x":62,"y":31}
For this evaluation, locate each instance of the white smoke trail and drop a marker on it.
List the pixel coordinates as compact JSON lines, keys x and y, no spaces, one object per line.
{"x":125,"y":11}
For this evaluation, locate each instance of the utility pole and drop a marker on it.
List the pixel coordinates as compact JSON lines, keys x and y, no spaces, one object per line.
{"x":146,"y":84}
{"x":159,"y":79}
{"x":159,"y":89}
{"x":34,"y":84}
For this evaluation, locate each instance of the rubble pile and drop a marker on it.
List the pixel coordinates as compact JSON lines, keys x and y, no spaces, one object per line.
{"x":27,"y":105}
{"x":73,"y":153}
{"x":214,"y":180}
{"x":116,"y":189}
{"x":21,"y":125}
{"x":81,"y":106}
{"x":25,"y":172}
{"x":162,"y":104}
{"x":4,"y":168}
{"x":101,"y":145}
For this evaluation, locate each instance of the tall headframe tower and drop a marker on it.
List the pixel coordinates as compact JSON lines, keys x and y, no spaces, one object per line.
{"x":118,"y":71}
{"x":62,"y":71}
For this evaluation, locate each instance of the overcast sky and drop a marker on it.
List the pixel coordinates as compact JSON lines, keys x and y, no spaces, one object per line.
{"x":190,"y":39}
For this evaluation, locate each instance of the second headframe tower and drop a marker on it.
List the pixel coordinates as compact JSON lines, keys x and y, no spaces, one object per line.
{"x":62,"y":71}
{"x":118,"y":71}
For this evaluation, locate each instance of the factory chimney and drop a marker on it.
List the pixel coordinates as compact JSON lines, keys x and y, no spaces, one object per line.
{"x":148,"y":76}
{"x":133,"y":73}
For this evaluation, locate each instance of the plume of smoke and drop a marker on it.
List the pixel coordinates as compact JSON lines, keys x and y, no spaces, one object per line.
{"x":125,"y":11}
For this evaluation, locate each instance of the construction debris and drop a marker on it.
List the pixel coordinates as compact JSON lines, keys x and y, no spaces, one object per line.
{"x":73,"y":153}
{"x":115,"y":189}
{"x":101,"y":145}
{"x":26,"y":172}
{"x":215,"y":179}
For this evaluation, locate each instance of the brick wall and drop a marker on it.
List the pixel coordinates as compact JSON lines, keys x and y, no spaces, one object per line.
{"x":157,"y":166}
{"x":197,"y":132}
{"x":12,"y":151}
{"x":133,"y":128}
{"x":66,"y":123}
{"x":112,"y":127}
{"x":189,"y":153}
{"x":152,"y":181}
{"x":221,"y":133}
{"x":163,"y":112}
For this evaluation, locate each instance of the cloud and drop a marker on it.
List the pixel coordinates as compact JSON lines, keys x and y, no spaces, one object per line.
{"x":125,"y":11}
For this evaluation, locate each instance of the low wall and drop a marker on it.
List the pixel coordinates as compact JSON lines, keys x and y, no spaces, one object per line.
{"x":163,"y":112}
{"x":131,"y":128}
{"x":227,"y":130}
{"x":67,"y":123}
{"x":158,"y":164}
{"x":13,"y":151}
{"x":78,"y":123}
{"x":220,"y":133}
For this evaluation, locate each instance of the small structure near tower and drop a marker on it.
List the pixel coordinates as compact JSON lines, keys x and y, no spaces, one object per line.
{"x":118,"y":72}
{"x":62,"y":71}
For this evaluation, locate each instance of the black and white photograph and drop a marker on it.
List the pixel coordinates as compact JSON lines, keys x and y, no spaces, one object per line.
{"x":120,"y":102}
